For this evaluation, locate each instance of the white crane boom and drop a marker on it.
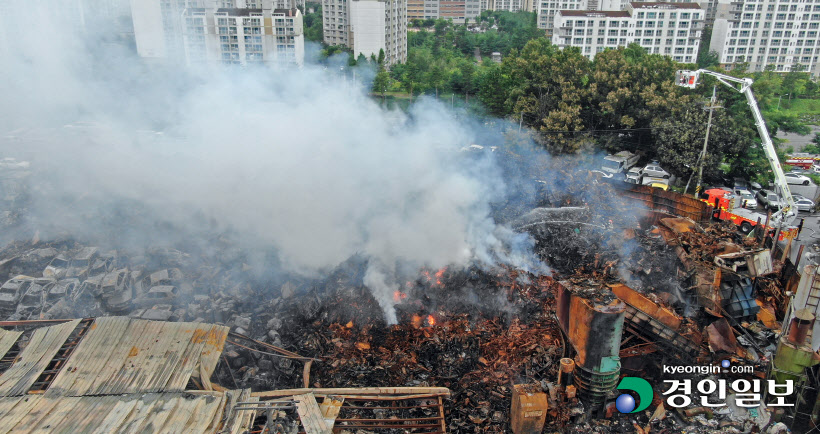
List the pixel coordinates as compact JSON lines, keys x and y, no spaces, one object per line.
{"x":786,"y":215}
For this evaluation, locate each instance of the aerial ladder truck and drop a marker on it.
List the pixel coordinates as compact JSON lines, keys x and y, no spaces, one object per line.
{"x":726,"y":203}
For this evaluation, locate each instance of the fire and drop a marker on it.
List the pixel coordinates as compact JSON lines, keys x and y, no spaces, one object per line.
{"x":430,"y":320}
{"x":439,"y":275}
{"x":398,"y":296}
{"x":416,"y":321}
{"x":349,"y":324}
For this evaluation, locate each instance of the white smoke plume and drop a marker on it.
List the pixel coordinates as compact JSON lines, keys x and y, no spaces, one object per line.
{"x":297,"y":160}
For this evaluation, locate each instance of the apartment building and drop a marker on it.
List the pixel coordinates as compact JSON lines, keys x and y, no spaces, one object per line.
{"x":507,"y":5}
{"x":547,"y":9}
{"x":415,"y":10}
{"x":240,"y":32}
{"x":775,"y":34}
{"x":671,"y":29}
{"x":367,"y":27}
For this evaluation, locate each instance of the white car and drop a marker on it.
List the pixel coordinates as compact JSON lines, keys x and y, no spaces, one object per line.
{"x":747,"y":199}
{"x":796,"y":178}
{"x":654,"y":170}
{"x":804,"y":205}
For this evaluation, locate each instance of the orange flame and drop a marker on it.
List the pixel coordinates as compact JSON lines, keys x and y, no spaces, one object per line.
{"x":439,"y":275}
{"x":416,"y":321}
{"x":349,"y":324}
{"x":430,"y":320}
{"x":398,"y":296}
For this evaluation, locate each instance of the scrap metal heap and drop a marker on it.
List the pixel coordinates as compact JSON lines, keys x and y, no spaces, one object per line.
{"x":631,"y":290}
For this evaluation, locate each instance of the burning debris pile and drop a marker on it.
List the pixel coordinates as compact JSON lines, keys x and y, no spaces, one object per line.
{"x":628,"y":293}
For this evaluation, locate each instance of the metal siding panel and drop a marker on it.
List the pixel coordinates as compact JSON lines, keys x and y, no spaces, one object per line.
{"x":35,"y":414}
{"x":117,"y":416}
{"x":44,"y":344}
{"x":127,"y":361}
{"x":13,"y":410}
{"x":89,"y":357}
{"x":7,"y":340}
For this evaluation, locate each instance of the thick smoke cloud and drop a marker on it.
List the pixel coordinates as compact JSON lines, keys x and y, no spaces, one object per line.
{"x":298,"y":161}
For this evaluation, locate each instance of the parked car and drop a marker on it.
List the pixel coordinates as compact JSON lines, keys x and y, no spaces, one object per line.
{"x":167,"y":277}
{"x":747,"y":199}
{"x":770,"y":199}
{"x":755,"y":187}
{"x":13,"y":290}
{"x":798,"y":179}
{"x":163,"y":294}
{"x":654,"y":170}
{"x":31,"y":304}
{"x":804,"y":204}
{"x":56,"y":269}
{"x":62,"y":289}
{"x":81,"y":263}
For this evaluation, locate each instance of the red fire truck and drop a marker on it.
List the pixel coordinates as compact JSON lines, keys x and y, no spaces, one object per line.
{"x":724,"y":202}
{"x":728,"y":207}
{"x":803,"y":163}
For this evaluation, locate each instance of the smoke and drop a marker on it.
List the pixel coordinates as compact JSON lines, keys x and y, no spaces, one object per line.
{"x":300,"y":162}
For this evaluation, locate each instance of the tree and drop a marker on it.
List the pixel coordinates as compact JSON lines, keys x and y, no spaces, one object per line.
{"x":380,"y":60}
{"x":548,"y":88}
{"x":680,"y":141}
{"x":313,"y":25}
{"x":382,"y":81}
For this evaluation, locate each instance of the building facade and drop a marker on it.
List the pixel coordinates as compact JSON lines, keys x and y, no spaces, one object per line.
{"x":507,"y":5}
{"x":671,"y":29}
{"x":241,"y":32}
{"x":774,"y":34}
{"x":367,"y":27}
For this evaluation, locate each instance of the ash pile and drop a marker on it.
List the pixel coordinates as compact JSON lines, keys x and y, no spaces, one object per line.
{"x":629,"y":291}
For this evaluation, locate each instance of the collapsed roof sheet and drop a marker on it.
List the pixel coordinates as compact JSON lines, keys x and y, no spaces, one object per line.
{"x":33,"y":360}
{"x":150,"y":412}
{"x":123,"y":355}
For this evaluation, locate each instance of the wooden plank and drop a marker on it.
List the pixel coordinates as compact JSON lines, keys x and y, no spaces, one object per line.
{"x":330,"y":408}
{"x":310,"y":415}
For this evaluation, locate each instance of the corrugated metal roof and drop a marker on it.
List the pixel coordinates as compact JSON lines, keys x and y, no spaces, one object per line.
{"x":123,"y":355}
{"x":33,"y":360}
{"x":7,"y":340}
{"x":150,"y":412}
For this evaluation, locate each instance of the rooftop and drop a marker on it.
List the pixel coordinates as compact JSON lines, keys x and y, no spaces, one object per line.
{"x":664,"y":5}
{"x":596,"y":14}
{"x":239,"y":12}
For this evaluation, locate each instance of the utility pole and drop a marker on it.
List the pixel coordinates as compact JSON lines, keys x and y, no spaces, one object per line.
{"x":702,"y":158}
